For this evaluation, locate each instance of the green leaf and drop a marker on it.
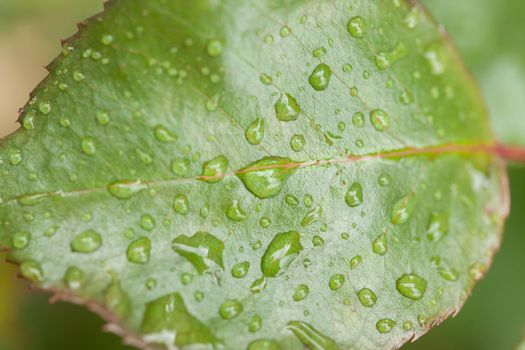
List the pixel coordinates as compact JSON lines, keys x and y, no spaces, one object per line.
{"x":196,"y":174}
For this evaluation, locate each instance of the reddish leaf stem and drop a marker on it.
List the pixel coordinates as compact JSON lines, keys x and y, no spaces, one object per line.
{"x":510,"y":153}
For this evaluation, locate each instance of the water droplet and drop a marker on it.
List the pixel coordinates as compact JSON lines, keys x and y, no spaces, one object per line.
{"x":28,"y":121}
{"x":336,"y":281}
{"x":445,"y":271}
{"x":319,"y":52}
{"x":107,"y":39}
{"x":411,"y":286}
{"x":86,"y":242}
{"x":356,"y":260}
{"x":354,"y":195}
{"x":151,"y":284}
{"x":240,"y":270}
{"x":285,"y":31}
{"x":408,"y":325}
{"x":164,"y":135}
{"x":255,"y":324}
{"x":139,"y":252}
{"x":367,"y":297}
{"x":263,"y":344}
{"x":356,"y":27}
{"x":125,"y":189}
{"x":385,"y":325}
{"x":437,"y":227}
{"x":44,"y":108}
{"x":403,"y":209}
{"x":88,"y":146}
{"x":312,"y":216}
{"x":103,"y":118}
{"x":147,"y":222}
{"x":258,"y":285}
{"x":268,"y":39}
{"x":74,"y":277}
{"x":167,"y":321}
{"x":21,"y":240}
{"x":31,"y":270}
{"x":214,"y":48}
{"x":201,"y":250}
{"x":291,"y":200}
{"x":347,"y":68}
{"x":380,"y":120}
{"x":384,"y":180}
{"x":286,"y":108}
{"x":181,"y":204}
{"x":384,"y":60}
{"x":230,"y":309}
{"x":255,"y":132}
{"x":310,"y":337}
{"x":180,"y":167}
{"x":235,"y":212}
{"x":186,"y":278}
{"x":265,"y":222}
{"x":317,"y":241}
{"x":77,"y":76}
{"x":297,"y":142}
{"x":308,"y":200}
{"x":266,"y":177}
{"x":358,"y":119}
{"x":51,"y":231}
{"x":266,"y":79}
{"x":320,"y":77}
{"x":301,"y":292}
{"x":214,"y":170}
{"x":380,"y":245}
{"x":281,"y":251}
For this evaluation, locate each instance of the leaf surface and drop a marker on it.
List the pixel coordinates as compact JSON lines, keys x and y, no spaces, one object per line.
{"x":256,"y":174}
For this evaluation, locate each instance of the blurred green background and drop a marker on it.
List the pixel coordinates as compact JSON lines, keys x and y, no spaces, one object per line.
{"x":491,"y":37}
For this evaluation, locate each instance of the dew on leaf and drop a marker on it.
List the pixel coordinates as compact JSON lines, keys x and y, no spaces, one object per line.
{"x":28,"y":121}
{"x":202,"y":250}
{"x":297,"y":142}
{"x":180,"y":167}
{"x":384,"y":60}
{"x":380,"y":120}
{"x":103,"y":118}
{"x":77,"y":76}
{"x":151,"y":284}
{"x":255,"y":324}
{"x":320,"y":77}
{"x":385,"y":325}
{"x":356,"y":27}
{"x":408,"y":325}
{"x":266,"y":79}
{"x":354,"y":195}
{"x":356,"y":260}
{"x":44,"y":108}
{"x":403,"y":209}
{"x":230,"y":309}
{"x":164,"y":135}
{"x":380,"y":245}
{"x":437,"y":226}
{"x":31,"y":270}
{"x":336,"y":281}
{"x":301,"y":292}
{"x":186,"y":278}
{"x":281,"y":251}
{"x":310,"y":337}
{"x":319,"y":52}
{"x":86,"y":242}
{"x":308,"y":200}
{"x":266,"y":177}
{"x":147,"y":222}
{"x":214,"y":48}
{"x":411,"y":286}
{"x":258,"y":285}
{"x":139,"y":252}
{"x":317,"y":241}
{"x":384,"y":180}
{"x":255,"y":132}
{"x":181,"y":204}
{"x":347,"y":68}
{"x":240,"y":270}
{"x":291,"y":200}
{"x":74,"y":277}
{"x":88,"y":146}
{"x":367,"y":297}
{"x":21,"y":240}
{"x":214,"y":170}
{"x":286,"y":108}
{"x":107,"y":39}
{"x":312,"y":216}
{"x":285,"y":31}
{"x":265,"y":222}
{"x":235,"y":212}
{"x":264,"y":344}
{"x":125,"y":189}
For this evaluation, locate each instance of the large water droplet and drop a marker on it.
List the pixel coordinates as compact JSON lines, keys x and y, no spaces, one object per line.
{"x":354,"y":195}
{"x":356,"y":27}
{"x":215,"y":169}
{"x":126,"y":189}
{"x":201,"y":250}
{"x":281,"y":251}
{"x":139,"y":252}
{"x":310,"y":337}
{"x":385,"y":325}
{"x":367,"y":297}
{"x":230,"y":309}
{"x":380,"y":119}
{"x":320,"y":77}
{"x":286,"y":108}
{"x":167,"y":321}
{"x":235,"y":212}
{"x":86,"y":242}
{"x":403,"y":209}
{"x":266,"y":177}
{"x":255,"y":132}
{"x":411,"y":286}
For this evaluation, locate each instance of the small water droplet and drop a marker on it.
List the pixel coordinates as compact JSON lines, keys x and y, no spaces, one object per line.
{"x":151,"y":284}
{"x":214,"y":170}
{"x":336,"y":281}
{"x":354,"y":195}
{"x":301,"y":292}
{"x":308,"y":200}
{"x":356,"y":27}
{"x":266,"y":79}
{"x":164,"y":135}
{"x":408,"y":325}
{"x":291,"y":200}
{"x":286,"y":108}
{"x":186,"y":278}
{"x":385,"y":325}
{"x":356,"y":260}
{"x":268,"y":39}
{"x":444,"y":270}
{"x":214,"y":48}
{"x":86,"y":242}
{"x":285,"y":31}
{"x":411,"y":286}
{"x":201,"y":250}
{"x":28,"y":121}
{"x":317,"y":241}
{"x":181,"y":204}
{"x":320,"y":77}
{"x":384,"y":180}
{"x":255,"y":132}
{"x":180,"y":167}
{"x":107,"y":39}
{"x":88,"y":146}
{"x":380,"y":120}
{"x":103,"y":118}
{"x":437,"y":227}
{"x":147,"y":222}
{"x":31,"y":270}
{"x":255,"y":324}
{"x":258,"y":285}
{"x":240,"y":270}
{"x":312,"y":216}
{"x":319,"y":52}
{"x":358,"y":119}
{"x":263,"y":344}
{"x":403,"y":209}
{"x":347,"y":68}
{"x":380,"y":245}
{"x":281,"y":251}
{"x":384,"y":60}
{"x":139,"y":252}
{"x":265,"y":222}
{"x":367,"y":297}
{"x":125,"y":189}
{"x":235,"y":212}
{"x":44,"y":108}
{"x":77,"y":76}
{"x":230,"y":309}
{"x":297,"y":142}
{"x":74,"y":277}
{"x":21,"y":240}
